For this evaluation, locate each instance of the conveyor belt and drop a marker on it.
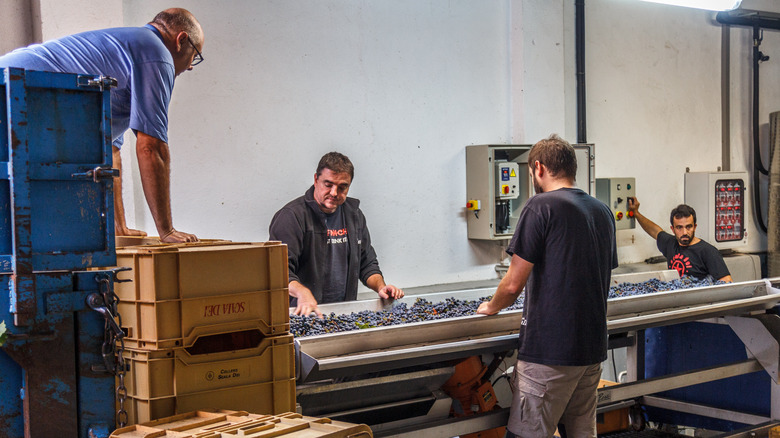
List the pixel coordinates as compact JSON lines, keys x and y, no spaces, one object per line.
{"x":647,"y":433}
{"x":394,"y":347}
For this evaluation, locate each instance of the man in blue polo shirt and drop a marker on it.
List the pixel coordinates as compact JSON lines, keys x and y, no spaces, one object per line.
{"x":145,"y":62}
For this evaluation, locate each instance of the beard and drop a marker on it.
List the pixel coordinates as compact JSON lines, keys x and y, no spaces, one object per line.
{"x":685,"y":240}
{"x":537,"y":187}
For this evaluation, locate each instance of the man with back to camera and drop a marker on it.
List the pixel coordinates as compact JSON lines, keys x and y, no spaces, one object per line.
{"x":684,"y":252}
{"x":564,"y":249}
{"x":328,"y":244}
{"x":145,"y":62}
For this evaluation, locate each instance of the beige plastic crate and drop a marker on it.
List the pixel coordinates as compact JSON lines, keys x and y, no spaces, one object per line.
{"x":172,"y":272}
{"x":275,"y":397}
{"x":217,"y":424}
{"x":143,"y":410}
{"x":177,"y":323}
{"x":127,"y":241}
{"x":165,"y":373}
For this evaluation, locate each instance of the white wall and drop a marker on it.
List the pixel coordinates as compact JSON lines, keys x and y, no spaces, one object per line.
{"x":653,"y":75}
{"x":403,"y":86}
{"x":16,"y":27}
{"x":59,"y":18}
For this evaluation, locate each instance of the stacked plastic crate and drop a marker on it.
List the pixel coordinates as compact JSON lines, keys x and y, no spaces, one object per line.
{"x":207,"y":326}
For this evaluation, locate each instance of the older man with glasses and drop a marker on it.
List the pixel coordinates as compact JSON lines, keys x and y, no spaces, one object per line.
{"x":145,"y":61}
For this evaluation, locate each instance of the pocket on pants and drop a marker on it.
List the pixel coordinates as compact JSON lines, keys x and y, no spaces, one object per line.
{"x":528,"y":385}
{"x":526,"y":419}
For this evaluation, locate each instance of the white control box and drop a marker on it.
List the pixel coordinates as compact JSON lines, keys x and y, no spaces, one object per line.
{"x":722,"y":206}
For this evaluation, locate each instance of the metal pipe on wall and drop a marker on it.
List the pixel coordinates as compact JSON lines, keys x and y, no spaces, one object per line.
{"x":579,"y":32}
{"x":725,"y":97}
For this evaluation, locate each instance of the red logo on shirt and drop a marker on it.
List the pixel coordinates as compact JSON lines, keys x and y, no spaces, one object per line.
{"x":337,"y":236}
{"x":337,"y":233}
{"x":681,"y":263}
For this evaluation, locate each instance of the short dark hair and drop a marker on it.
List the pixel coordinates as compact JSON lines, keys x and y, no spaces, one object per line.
{"x":336,"y":162}
{"x":557,"y":155}
{"x":682,"y":211}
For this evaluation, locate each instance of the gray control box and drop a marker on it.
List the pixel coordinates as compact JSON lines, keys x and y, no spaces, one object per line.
{"x":615,"y":193}
{"x":495,"y":196}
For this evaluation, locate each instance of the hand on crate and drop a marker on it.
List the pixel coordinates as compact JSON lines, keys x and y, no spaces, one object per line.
{"x":124,"y":231}
{"x":175,"y":236}
{"x":120,"y":226}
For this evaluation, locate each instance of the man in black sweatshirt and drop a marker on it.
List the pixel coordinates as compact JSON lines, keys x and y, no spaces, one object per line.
{"x":328,"y":244}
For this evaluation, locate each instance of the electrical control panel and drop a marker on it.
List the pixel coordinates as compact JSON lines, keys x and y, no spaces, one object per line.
{"x":721,"y":202}
{"x":507,"y":180}
{"x":615,"y":193}
{"x":498,"y":184}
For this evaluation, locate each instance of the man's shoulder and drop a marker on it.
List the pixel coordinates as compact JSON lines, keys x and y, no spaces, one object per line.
{"x":288,"y":219}
{"x":142,"y":43}
{"x":704,"y":246}
{"x":352,"y":204}
{"x":296,"y":205}
{"x":666,"y":241}
{"x":570,"y":197}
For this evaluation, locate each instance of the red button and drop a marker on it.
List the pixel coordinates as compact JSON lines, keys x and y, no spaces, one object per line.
{"x":620,"y":215}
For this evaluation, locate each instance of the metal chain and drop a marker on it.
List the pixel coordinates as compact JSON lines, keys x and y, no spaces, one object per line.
{"x":114,"y":344}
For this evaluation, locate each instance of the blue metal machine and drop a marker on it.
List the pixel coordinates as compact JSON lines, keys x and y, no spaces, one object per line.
{"x":58,"y":366}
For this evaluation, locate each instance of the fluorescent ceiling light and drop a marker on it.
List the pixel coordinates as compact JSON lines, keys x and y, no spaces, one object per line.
{"x":713,"y":5}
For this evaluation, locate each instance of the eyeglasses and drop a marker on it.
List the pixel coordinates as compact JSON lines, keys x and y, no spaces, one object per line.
{"x":198,"y":56}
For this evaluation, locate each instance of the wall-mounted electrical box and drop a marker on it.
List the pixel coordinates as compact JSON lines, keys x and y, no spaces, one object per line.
{"x":498,"y":184}
{"x":722,"y":206}
{"x":615,"y":193}
{"x":507,"y":180}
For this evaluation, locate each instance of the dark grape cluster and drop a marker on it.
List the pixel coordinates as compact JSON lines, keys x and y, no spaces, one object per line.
{"x":401,"y":313}
{"x":655,"y":285}
{"x":424,"y":310}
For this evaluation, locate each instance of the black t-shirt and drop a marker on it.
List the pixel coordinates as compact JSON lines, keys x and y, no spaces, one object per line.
{"x":699,"y":260}
{"x":569,"y":236}
{"x":335,"y":278}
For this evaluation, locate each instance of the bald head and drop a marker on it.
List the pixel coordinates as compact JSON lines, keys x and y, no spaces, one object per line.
{"x":175,"y":20}
{"x":182,"y":36}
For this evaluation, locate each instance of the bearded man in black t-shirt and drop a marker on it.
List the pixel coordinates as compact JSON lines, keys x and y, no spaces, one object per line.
{"x":684,"y":252}
{"x":563,"y":252}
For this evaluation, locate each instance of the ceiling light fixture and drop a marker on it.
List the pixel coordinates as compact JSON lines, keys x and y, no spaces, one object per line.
{"x":712,"y":5}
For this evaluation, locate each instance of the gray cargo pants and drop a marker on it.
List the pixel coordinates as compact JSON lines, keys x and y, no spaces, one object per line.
{"x":547,"y":395}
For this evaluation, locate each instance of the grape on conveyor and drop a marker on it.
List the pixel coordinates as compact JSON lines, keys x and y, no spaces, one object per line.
{"x":424,"y":310}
